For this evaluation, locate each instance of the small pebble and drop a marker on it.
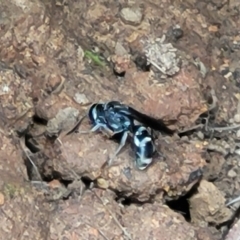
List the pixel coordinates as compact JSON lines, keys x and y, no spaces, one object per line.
{"x":185,"y":138}
{"x":102,"y":183}
{"x":81,"y":98}
{"x":141,"y":62}
{"x":237,"y":118}
{"x":177,"y":33}
{"x":200,"y":135}
{"x":231,"y":120}
{"x":238,"y":134}
{"x":232,"y":173}
{"x":131,"y":16}
{"x":236,"y":74}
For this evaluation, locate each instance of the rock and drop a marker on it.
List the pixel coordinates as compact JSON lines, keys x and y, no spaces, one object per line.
{"x":97,"y":213}
{"x":131,"y":16}
{"x":234,"y":232}
{"x":175,"y":32}
{"x":238,"y":134}
{"x":200,"y":135}
{"x":236,"y":76}
{"x":86,"y":154}
{"x":232,"y":173}
{"x":208,"y":205}
{"x":18,"y":198}
{"x":121,"y":63}
{"x":120,"y":50}
{"x":65,"y":119}
{"x":237,"y":118}
{"x":81,"y":98}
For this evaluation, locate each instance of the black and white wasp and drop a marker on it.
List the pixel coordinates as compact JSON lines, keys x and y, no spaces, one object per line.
{"x":113,"y":118}
{"x":143,"y":146}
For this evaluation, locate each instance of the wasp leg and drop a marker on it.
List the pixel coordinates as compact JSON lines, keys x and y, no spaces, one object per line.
{"x":95,"y":128}
{"x":121,"y":145}
{"x":99,"y":127}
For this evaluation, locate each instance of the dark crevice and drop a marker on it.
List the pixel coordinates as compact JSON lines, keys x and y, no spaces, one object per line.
{"x":128,"y":200}
{"x":31,"y":144}
{"x":56,"y":175}
{"x":29,"y":168}
{"x":121,"y":74}
{"x":212,"y":179}
{"x":65,"y":182}
{"x":181,"y":205}
{"x":47,"y":178}
{"x":142,"y":63}
{"x":38,"y":120}
{"x":87,"y":181}
{"x":229,"y":224}
{"x":51,"y":138}
{"x":187,"y":133}
{"x":21,"y":132}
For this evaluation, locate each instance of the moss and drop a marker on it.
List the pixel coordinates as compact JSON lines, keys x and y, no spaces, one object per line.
{"x":10,"y":190}
{"x":94,"y":58}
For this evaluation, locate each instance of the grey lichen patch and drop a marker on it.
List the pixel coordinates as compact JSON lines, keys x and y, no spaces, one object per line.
{"x":162,"y":56}
{"x":64,"y":119}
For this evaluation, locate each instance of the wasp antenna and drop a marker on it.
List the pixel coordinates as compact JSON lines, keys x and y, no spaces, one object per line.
{"x":76,"y":125}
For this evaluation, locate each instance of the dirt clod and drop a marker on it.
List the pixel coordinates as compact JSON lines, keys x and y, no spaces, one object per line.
{"x":1,"y":199}
{"x":177,"y":61}
{"x":210,"y":207}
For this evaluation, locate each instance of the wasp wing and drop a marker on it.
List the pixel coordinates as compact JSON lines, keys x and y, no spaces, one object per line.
{"x":156,"y":124}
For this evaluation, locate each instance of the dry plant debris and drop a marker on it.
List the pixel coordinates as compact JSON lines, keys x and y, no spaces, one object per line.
{"x":163,"y":56}
{"x":47,"y":84}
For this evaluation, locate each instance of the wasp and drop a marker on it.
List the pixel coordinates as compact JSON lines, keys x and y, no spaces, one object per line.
{"x":144,"y":147}
{"x":113,"y":118}
{"x":156,"y":124}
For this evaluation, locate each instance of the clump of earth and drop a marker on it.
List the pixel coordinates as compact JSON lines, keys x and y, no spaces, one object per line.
{"x":170,"y":61}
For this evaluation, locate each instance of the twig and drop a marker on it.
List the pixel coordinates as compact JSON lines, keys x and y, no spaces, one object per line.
{"x":207,"y":128}
{"x":215,"y":100}
{"x":64,"y":153}
{"x":113,"y":216}
{"x":59,"y":87}
{"x":225,"y":128}
{"x":100,"y":231}
{"x":237,"y":199}
{"x":103,"y":235}
{"x":156,"y":66}
{"x":25,"y":150}
{"x":192,"y":128}
{"x":75,"y":127}
{"x":35,"y":182}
